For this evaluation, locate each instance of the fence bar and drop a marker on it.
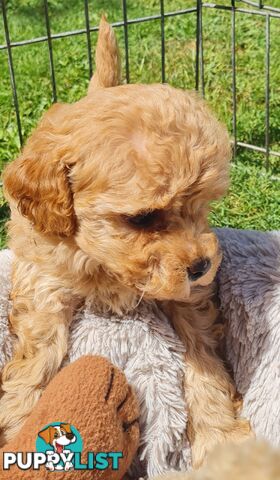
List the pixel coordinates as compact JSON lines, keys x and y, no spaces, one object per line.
{"x":126,"y":41}
{"x":48,"y":27}
{"x":253,"y":4}
{"x":270,"y":9}
{"x":199,"y":67}
{"x":198,"y":13}
{"x":88,"y":38}
{"x":95,"y":29}
{"x":267,"y":86}
{"x":162,"y":42}
{"x":257,"y":149}
{"x":261,"y":5}
{"x":257,"y":7}
{"x":201,"y":59}
{"x":135,"y":21}
{"x":11,"y":70}
{"x":273,"y":13}
{"x":233,"y":65}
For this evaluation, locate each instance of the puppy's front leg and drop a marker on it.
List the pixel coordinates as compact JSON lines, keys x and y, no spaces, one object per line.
{"x":40,"y":319}
{"x":210,"y":392}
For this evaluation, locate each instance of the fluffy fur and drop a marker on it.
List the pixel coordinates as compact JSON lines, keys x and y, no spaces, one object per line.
{"x":86,"y":175}
{"x":251,"y":461}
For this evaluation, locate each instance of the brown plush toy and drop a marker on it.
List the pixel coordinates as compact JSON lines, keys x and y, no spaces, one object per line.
{"x":93,"y":396}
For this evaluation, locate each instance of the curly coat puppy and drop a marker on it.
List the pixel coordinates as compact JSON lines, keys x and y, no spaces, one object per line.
{"x":109,"y":202}
{"x":251,"y":461}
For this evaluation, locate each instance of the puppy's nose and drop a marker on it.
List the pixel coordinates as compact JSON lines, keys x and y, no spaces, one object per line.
{"x":198,"y":268}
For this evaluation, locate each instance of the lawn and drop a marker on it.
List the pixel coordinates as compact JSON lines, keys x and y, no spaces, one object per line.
{"x":254,"y":197}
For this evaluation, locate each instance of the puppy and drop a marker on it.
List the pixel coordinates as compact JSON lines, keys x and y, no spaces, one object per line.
{"x":109,"y":202}
{"x":58,"y":437}
{"x":251,"y":461}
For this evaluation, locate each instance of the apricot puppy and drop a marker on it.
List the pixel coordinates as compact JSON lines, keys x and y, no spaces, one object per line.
{"x":109,"y":202}
{"x":249,"y":461}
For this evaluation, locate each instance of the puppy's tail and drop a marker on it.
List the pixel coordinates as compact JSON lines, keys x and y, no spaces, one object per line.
{"x":107,"y":59}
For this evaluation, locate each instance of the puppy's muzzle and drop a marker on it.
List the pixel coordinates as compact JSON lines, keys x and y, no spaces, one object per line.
{"x":198,"y":268}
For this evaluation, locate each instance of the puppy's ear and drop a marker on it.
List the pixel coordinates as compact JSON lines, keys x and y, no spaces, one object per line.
{"x":46,"y":434}
{"x":37,"y":180}
{"x":67,"y":427}
{"x":107,"y":59}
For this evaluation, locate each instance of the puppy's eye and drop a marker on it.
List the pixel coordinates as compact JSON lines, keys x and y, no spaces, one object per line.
{"x":145,"y":219}
{"x":56,"y":435}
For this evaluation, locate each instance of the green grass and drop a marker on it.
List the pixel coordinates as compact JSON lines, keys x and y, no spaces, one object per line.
{"x":254,"y":198}
{"x":252,"y":202}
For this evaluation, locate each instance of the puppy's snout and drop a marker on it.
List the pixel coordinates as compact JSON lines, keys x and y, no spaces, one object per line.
{"x":70,"y":436}
{"x":198,"y":268}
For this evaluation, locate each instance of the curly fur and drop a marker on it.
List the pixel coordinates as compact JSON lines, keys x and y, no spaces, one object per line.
{"x":251,"y":461}
{"x":87,"y":169}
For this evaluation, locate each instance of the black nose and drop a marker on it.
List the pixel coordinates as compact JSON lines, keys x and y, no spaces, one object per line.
{"x":199,"y":268}
{"x":69,"y":436}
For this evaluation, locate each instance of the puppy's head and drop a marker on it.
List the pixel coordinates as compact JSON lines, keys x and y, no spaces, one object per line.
{"x":58,"y":436}
{"x":128,"y":172}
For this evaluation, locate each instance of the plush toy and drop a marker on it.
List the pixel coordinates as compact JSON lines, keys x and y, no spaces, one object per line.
{"x":94,"y":410}
{"x":145,"y":347}
{"x":94,"y":396}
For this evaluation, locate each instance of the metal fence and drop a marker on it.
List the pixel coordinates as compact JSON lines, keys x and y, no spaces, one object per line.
{"x":235,"y":7}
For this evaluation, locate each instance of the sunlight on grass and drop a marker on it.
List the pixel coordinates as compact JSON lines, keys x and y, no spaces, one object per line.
{"x":253,"y":200}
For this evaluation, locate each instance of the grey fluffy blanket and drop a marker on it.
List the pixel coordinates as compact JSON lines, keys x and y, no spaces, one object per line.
{"x":145,"y":346}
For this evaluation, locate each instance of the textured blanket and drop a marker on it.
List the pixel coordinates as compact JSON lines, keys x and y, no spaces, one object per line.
{"x":145,"y":346}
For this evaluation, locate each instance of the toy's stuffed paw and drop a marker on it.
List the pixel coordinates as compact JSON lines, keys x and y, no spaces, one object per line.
{"x":89,"y":402}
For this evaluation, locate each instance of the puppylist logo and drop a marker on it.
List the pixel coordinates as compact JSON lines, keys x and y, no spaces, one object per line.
{"x":59,"y":447}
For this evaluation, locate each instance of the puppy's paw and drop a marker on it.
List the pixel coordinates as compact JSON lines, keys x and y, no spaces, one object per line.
{"x":218,"y":331}
{"x":242,"y":431}
{"x":237,"y":402}
{"x":204,"y":443}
